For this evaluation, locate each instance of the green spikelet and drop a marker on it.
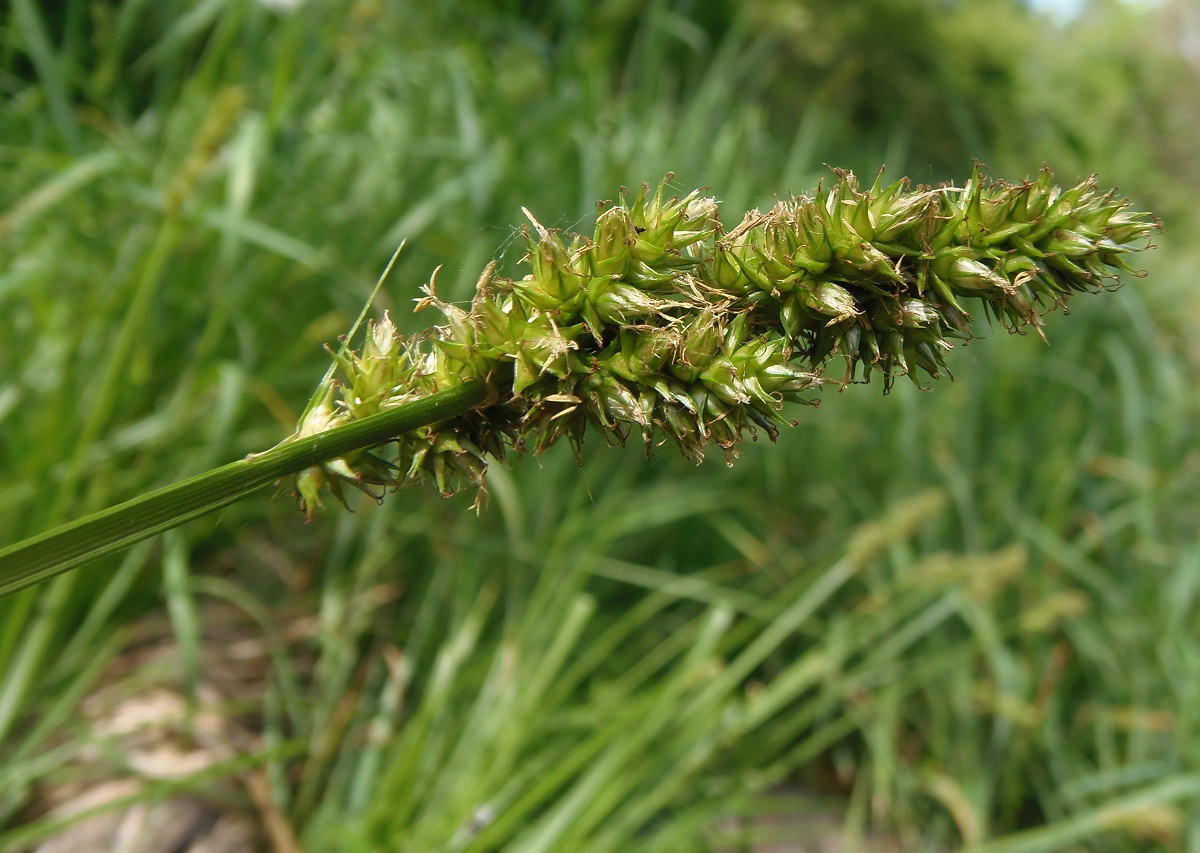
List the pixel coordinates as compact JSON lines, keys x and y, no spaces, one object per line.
{"x":666,"y":324}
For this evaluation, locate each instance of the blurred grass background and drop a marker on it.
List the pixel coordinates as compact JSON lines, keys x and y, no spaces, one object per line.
{"x":964,"y":618}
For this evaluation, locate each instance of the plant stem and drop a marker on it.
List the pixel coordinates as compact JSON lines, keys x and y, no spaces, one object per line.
{"x":108,"y":531}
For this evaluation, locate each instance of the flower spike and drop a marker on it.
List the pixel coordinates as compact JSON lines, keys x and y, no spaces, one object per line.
{"x":664,"y":323}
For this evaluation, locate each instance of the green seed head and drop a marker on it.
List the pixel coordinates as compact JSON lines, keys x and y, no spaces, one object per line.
{"x":664,"y":324}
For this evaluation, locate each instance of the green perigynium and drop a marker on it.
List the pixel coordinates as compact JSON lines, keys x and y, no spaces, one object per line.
{"x":667,"y":323}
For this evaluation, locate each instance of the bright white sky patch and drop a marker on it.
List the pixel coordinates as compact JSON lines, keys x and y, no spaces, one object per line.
{"x":1065,"y":9}
{"x":1059,"y":8}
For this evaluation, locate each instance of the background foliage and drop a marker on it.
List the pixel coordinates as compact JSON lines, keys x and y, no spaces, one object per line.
{"x":968,"y":616}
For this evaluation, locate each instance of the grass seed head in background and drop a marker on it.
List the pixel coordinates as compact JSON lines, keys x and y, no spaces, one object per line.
{"x":668,"y":323}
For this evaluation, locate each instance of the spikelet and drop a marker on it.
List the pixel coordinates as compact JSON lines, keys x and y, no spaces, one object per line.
{"x":666,"y":324}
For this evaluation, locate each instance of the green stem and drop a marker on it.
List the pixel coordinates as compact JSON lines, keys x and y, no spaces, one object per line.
{"x":108,"y":531}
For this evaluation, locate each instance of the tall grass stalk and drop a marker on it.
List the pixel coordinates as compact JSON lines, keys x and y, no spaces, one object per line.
{"x":662,"y":321}
{"x":115,"y":529}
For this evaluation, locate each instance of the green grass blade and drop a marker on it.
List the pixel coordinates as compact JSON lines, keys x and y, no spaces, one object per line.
{"x":1123,"y":813}
{"x":108,"y":531}
{"x":32,"y":30}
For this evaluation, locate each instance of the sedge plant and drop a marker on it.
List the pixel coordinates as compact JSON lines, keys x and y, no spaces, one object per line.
{"x":664,"y":323}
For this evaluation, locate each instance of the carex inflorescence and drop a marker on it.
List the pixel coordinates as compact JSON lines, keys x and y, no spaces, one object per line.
{"x":666,"y":323}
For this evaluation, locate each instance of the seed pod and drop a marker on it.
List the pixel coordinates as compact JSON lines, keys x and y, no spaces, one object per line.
{"x":970,"y":276}
{"x":611,"y":249}
{"x":914,"y":313}
{"x":832,"y":300}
